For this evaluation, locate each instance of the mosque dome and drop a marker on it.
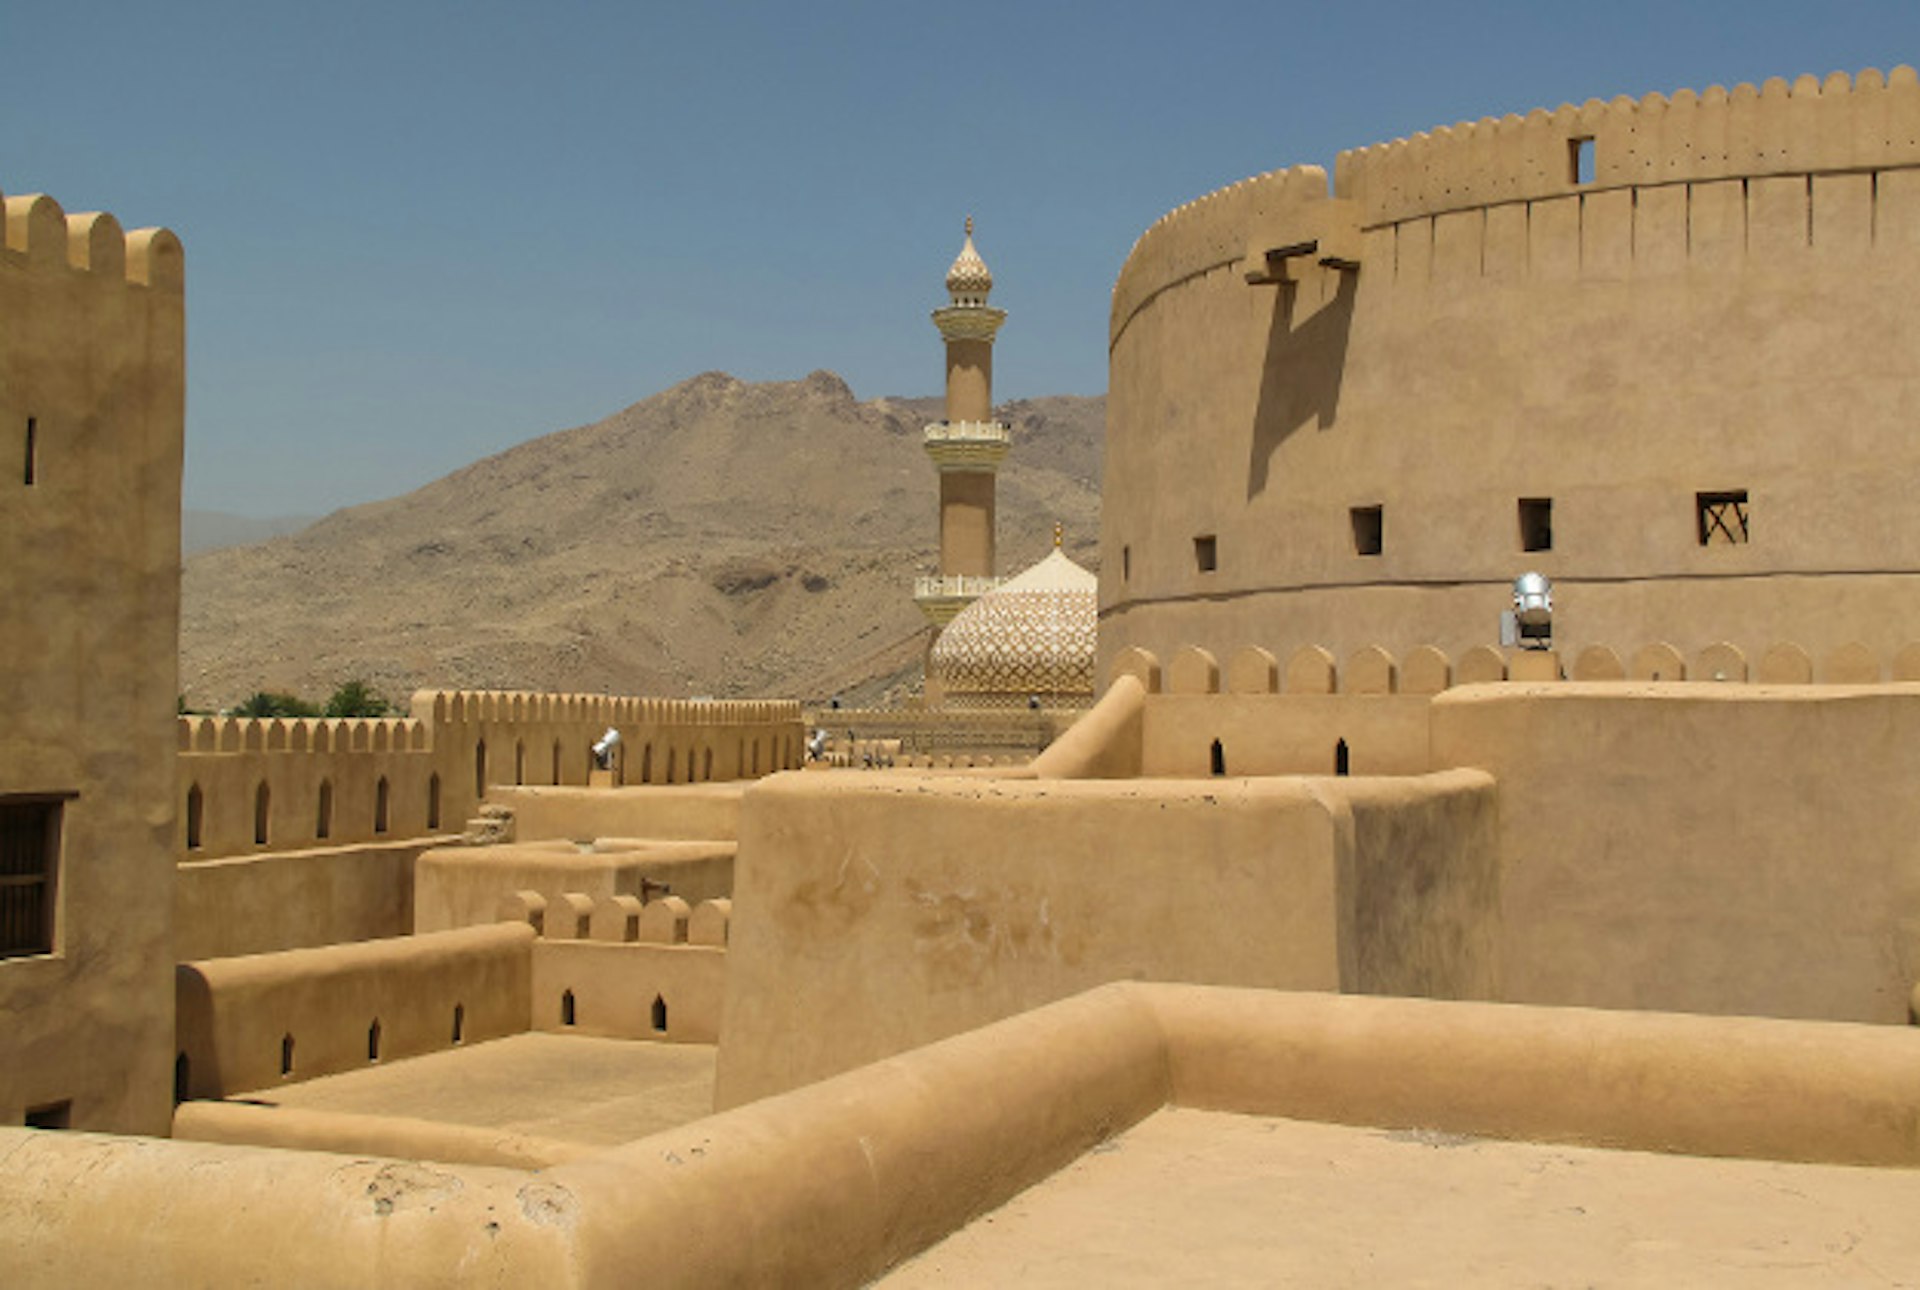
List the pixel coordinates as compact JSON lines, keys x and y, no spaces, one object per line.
{"x":969,"y":281}
{"x":1031,"y":635}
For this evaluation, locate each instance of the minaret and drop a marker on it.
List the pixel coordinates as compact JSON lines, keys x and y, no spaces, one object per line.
{"x":968,"y":446}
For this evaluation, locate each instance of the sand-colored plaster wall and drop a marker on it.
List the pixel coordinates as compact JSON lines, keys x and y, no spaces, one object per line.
{"x":463,"y":886}
{"x":92,"y":370}
{"x":1724,"y":849}
{"x":288,"y":900}
{"x":1285,"y":734}
{"x":1721,"y":308}
{"x":249,"y":785}
{"x":1105,"y":743}
{"x":617,"y":987}
{"x":1421,"y":887}
{"x":398,"y":1136}
{"x":236,"y":1014}
{"x":876,"y":913}
{"x":323,"y":783}
{"x":844,"y":1178}
{"x":1720,"y":1086}
{"x":702,"y":811}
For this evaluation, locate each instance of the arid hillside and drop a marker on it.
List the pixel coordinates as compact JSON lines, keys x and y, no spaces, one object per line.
{"x":720,"y":538}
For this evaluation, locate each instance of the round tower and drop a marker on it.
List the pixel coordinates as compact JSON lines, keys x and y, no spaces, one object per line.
{"x":968,"y":446}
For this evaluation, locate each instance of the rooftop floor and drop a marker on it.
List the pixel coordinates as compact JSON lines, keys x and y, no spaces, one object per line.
{"x":575,"y":1088}
{"x":1198,"y":1197}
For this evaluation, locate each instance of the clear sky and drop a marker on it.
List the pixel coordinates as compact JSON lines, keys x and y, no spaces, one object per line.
{"x":418,"y":233}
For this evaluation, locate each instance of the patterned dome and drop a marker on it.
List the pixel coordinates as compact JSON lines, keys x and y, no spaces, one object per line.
{"x":1031,"y":635}
{"x":969,"y":280}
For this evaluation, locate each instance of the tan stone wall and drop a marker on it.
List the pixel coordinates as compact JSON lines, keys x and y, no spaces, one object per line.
{"x":939,"y":1136}
{"x":242,"y":1019}
{"x":622,"y":990}
{"x":880,"y":912}
{"x":294,"y":899}
{"x":455,"y":749}
{"x":463,"y":886}
{"x":692,"y":812}
{"x":314,"y":772}
{"x":1726,"y":849}
{"x":1722,"y":308}
{"x":92,"y":355}
{"x":1285,"y":734}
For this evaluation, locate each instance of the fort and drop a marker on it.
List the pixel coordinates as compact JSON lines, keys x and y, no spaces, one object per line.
{"x":1327,"y":876}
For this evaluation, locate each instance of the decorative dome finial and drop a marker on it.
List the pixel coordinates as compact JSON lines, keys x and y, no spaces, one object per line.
{"x":1058,"y":530}
{"x":969,"y":280}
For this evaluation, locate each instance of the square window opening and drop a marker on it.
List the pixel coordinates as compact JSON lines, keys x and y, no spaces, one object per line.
{"x":1536,"y":524}
{"x":29,"y":871}
{"x":1206,"y":553}
{"x":1580,"y":160}
{"x":1367,"y":529}
{"x":1721,"y":518}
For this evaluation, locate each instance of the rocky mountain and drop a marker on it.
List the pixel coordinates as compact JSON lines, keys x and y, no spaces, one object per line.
{"x":720,"y":538}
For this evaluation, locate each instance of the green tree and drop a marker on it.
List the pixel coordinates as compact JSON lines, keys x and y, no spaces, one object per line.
{"x":357,"y":699}
{"x":265,"y":703}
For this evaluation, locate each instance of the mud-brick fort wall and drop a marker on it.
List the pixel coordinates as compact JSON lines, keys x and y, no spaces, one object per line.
{"x":1663,"y":350}
{"x":253,"y":785}
{"x":92,"y":358}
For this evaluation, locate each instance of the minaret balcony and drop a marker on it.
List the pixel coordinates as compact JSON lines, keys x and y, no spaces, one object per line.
{"x":973,"y":321}
{"x":968,"y":445}
{"x":941,"y":596}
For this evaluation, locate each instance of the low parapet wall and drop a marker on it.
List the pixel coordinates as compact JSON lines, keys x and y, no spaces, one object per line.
{"x":614,"y":966}
{"x":891,"y":910}
{"x":931,"y":1139}
{"x":259,"y":1020}
{"x":462,"y":886}
{"x":606,"y":965}
{"x":288,"y":900}
{"x":688,"y":812}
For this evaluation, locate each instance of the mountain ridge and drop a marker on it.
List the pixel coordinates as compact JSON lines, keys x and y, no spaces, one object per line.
{"x":719,"y":537}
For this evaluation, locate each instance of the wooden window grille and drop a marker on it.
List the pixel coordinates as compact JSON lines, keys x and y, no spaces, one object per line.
{"x":29,"y":868}
{"x":1722,"y":518}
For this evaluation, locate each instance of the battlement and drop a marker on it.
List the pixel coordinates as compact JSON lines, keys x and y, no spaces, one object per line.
{"x":43,"y":238}
{"x":457,"y":707}
{"x":1809,"y":126}
{"x":1210,"y":232}
{"x":276,"y":784}
{"x":621,"y":919}
{"x":1428,"y":670}
{"x":302,"y":734}
{"x":1821,"y":129}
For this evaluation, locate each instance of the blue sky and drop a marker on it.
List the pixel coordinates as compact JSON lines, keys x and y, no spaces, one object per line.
{"x":418,"y":233}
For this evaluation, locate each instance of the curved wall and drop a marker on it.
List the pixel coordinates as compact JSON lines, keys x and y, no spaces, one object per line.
{"x":1726,"y":304}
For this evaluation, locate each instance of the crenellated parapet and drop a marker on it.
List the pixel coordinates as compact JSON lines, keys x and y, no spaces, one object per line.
{"x":274,"y":784}
{"x":620,"y":966}
{"x":1427,"y":670}
{"x":42,"y":238}
{"x":1216,"y":231}
{"x":1808,"y":126}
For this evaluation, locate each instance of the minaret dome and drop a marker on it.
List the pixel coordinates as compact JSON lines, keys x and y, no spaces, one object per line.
{"x":969,"y":281}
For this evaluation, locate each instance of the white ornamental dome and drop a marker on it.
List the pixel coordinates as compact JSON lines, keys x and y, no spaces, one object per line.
{"x":1033,"y":635}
